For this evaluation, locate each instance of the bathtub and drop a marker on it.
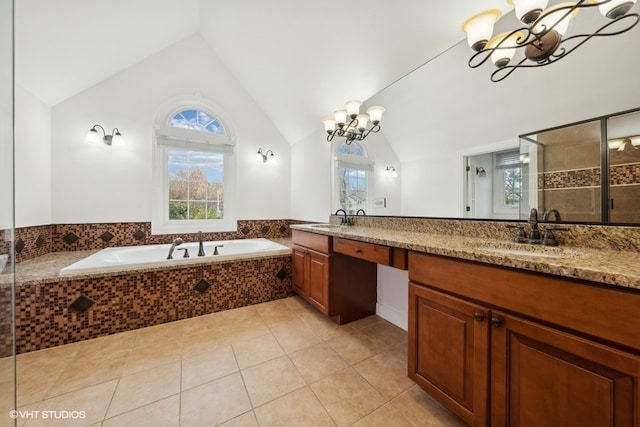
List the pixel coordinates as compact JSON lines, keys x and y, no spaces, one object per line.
{"x":132,"y":257}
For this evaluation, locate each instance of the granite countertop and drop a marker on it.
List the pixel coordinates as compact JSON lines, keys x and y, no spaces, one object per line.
{"x":46,"y":268}
{"x":611,"y":267}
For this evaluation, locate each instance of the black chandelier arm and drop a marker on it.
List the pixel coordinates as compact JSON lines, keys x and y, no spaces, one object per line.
{"x":504,"y":72}
{"x":372,"y":129}
{"x":484,"y":54}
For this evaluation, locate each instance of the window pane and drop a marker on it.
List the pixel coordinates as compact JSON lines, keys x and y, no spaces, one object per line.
{"x":352,"y":189}
{"x":196,"y":120}
{"x":512,"y":187}
{"x":196,"y":188}
{"x":354,"y":149}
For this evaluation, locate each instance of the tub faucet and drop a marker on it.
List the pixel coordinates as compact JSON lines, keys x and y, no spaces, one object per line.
{"x":200,"y":244}
{"x":548,"y":212}
{"x":176,"y":242}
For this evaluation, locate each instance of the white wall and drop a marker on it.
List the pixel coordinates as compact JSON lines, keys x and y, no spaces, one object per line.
{"x":33,"y":160}
{"x":6,"y":116}
{"x":112,"y":184}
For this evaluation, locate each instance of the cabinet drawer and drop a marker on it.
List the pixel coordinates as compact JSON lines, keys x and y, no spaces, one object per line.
{"x":318,"y":242}
{"x":366,"y":251}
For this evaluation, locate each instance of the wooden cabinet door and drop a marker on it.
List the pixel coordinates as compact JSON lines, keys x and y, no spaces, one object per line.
{"x":318,"y":280}
{"x":449,"y":350}
{"x":545,"y":377}
{"x":300,"y":282}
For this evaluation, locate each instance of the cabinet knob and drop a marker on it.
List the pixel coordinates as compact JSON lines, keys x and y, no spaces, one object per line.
{"x":358,"y":250}
{"x":478,"y":316}
{"x":496,"y":322}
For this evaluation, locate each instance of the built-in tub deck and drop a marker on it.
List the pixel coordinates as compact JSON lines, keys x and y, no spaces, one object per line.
{"x":53,"y":310}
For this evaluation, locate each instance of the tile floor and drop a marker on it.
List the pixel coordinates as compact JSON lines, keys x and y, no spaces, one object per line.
{"x":274,"y":364}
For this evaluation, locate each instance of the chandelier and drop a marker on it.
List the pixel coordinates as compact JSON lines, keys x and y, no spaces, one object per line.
{"x":356,"y":128}
{"x":541,"y":40}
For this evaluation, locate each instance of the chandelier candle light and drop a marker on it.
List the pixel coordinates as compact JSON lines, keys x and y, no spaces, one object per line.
{"x":542,"y":38}
{"x":356,"y":128}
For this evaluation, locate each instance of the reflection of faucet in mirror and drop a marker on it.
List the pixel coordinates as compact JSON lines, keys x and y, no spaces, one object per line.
{"x":548,"y":212}
{"x":360,"y":210}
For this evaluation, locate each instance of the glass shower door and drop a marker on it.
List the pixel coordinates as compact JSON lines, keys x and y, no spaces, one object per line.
{"x":7,"y":277}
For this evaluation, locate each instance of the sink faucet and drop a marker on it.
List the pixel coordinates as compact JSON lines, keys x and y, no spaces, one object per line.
{"x":345,"y":220}
{"x":176,"y":242}
{"x":361,"y":210}
{"x":200,"y":244}
{"x":533,"y":222}
{"x":548,"y":212}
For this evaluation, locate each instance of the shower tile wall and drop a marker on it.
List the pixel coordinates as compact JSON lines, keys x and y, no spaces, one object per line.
{"x":625,"y":184}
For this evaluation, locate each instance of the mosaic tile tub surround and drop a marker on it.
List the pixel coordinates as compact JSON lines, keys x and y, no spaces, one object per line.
{"x":32,"y":242}
{"x":51,"y":314}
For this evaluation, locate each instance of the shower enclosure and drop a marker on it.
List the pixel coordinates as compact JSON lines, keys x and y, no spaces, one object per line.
{"x":7,"y":269}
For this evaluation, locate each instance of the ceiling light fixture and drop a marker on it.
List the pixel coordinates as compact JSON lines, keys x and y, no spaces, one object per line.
{"x":541,"y":40}
{"x":93,"y":137}
{"x":356,"y":128}
{"x":265,"y":156}
{"x":620,"y":143}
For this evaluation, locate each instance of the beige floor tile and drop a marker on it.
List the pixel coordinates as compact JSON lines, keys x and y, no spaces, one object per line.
{"x":163,"y":413}
{"x":323,"y":326}
{"x":248,"y":419}
{"x":152,"y":355}
{"x":277,"y":320}
{"x":23,"y":414}
{"x":347,"y":397}
{"x":248,"y":329}
{"x":238,"y":315}
{"x":385,"y":333}
{"x":296,"y":337}
{"x":384,"y":417}
{"x":88,"y":369}
{"x":204,"y":340}
{"x":366,"y":322}
{"x":300,"y":408}
{"x":171,"y":331}
{"x":145,"y":387}
{"x":387,"y":372}
{"x":296,"y":303}
{"x":85,"y":407}
{"x":423,"y":410}
{"x":354,"y":347}
{"x":107,"y":344}
{"x":317,"y":362}
{"x":254,"y":351}
{"x":277,"y":306}
{"x":208,"y":366}
{"x":271,"y":380}
{"x":215,"y":402}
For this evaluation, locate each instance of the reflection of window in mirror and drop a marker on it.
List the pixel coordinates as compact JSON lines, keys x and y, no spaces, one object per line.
{"x":351,"y":177}
{"x":493,"y":186}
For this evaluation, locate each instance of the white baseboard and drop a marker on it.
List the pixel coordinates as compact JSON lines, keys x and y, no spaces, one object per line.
{"x":393,"y":315}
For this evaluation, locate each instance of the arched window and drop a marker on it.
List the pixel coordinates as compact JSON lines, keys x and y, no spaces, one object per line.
{"x":351,"y":177}
{"x":193,"y":177}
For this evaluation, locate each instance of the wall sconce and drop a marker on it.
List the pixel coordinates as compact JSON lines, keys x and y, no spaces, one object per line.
{"x":266,"y":155}
{"x":115,"y":139}
{"x":480,"y":171}
{"x":390,"y":171}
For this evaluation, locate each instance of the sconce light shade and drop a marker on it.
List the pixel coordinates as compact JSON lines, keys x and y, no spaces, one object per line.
{"x":504,"y":46}
{"x":614,"y":8}
{"x":353,"y":108}
{"x":528,"y":11}
{"x":390,"y":171}
{"x":479,"y":27}
{"x":114,"y":139}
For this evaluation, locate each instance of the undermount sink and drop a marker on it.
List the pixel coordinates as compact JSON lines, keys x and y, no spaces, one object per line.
{"x":326,"y":226}
{"x":515,"y":249}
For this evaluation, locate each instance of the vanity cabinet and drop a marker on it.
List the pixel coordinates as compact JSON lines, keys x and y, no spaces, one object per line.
{"x":341,"y":287}
{"x":311,"y":269}
{"x":559,"y":352}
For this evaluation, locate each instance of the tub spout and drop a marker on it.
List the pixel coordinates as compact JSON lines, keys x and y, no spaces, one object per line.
{"x":200,"y":244}
{"x":176,"y":242}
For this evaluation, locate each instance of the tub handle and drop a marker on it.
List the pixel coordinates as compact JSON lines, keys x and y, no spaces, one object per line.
{"x":215,"y":249}
{"x":186,"y":252}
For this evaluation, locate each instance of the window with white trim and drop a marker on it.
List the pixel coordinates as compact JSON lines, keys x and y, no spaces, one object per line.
{"x":507,"y":182}
{"x":351,"y":176}
{"x":193,"y":174}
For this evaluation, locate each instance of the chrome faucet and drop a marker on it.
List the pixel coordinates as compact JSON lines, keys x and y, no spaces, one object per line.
{"x":345,"y":220}
{"x":200,"y":244}
{"x":548,"y":212}
{"x":176,"y":242}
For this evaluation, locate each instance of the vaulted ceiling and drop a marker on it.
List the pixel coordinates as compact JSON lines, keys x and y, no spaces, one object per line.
{"x":298,"y":59}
